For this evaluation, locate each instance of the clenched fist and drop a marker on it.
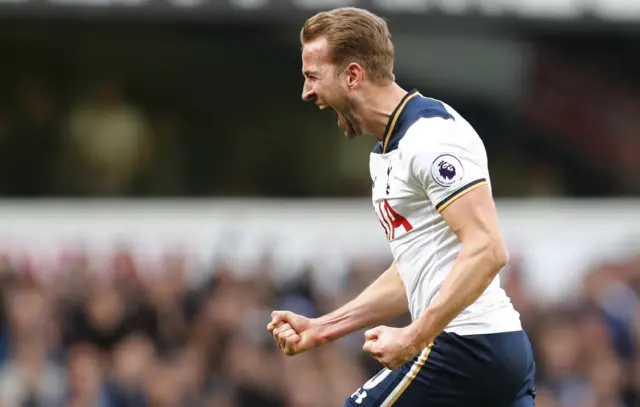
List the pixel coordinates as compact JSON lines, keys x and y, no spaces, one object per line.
{"x":295,"y":333}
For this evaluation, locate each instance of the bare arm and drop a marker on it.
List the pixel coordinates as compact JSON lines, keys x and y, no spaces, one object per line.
{"x":384,"y":299}
{"x":473,"y":218}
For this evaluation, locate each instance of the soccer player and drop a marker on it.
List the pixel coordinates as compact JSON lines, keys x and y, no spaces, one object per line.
{"x":432,"y":194}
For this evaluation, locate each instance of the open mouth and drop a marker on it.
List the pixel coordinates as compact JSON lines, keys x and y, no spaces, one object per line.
{"x":342,"y":123}
{"x":327,"y":107}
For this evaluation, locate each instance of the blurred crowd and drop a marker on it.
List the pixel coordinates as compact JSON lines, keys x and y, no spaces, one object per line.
{"x":132,"y":336}
{"x":107,"y":138}
{"x":98,"y":144}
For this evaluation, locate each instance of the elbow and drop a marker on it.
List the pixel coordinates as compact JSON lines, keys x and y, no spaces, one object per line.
{"x":496,"y":255}
{"x":502,"y":257}
{"x":488,"y":251}
{"x":499,"y":255}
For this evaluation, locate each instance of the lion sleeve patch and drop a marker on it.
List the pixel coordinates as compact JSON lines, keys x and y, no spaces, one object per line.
{"x":446,"y":170}
{"x":453,"y":174}
{"x":447,"y":161}
{"x":448,"y":175}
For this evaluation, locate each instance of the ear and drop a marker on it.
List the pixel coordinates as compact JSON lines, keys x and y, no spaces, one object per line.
{"x":355,"y":75}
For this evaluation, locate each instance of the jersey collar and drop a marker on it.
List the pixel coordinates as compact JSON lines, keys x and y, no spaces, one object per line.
{"x":395,"y":117}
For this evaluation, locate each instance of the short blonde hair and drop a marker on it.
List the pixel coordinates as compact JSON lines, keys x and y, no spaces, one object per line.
{"x":354,"y":35}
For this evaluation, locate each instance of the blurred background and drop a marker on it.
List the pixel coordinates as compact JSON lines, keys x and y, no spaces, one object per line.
{"x":163,"y":189}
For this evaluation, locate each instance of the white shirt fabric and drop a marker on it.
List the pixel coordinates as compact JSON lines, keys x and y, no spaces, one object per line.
{"x":433,"y":156}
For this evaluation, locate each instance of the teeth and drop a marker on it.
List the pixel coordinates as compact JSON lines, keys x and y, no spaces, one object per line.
{"x":322,"y":107}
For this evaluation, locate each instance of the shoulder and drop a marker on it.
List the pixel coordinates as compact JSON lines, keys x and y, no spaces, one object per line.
{"x":438,"y":133}
{"x":430,"y":135}
{"x":443,"y":150}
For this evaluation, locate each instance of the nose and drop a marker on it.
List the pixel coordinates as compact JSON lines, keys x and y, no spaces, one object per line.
{"x":307,"y":92}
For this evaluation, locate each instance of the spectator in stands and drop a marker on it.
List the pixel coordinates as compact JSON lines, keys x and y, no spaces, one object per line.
{"x":109,"y":142}
{"x":133,"y":337}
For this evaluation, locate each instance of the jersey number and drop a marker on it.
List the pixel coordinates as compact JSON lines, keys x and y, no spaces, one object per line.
{"x":391,"y":220}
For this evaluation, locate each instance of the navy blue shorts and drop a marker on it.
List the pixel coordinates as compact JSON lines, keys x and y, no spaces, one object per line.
{"x":494,"y":370}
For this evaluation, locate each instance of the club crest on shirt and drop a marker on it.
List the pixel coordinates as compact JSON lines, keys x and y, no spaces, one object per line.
{"x":446,"y":170}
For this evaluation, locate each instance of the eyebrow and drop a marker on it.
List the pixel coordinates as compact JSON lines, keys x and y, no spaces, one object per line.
{"x":309,"y":72}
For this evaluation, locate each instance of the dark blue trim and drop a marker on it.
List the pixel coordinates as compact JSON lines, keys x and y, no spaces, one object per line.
{"x":416,"y":108}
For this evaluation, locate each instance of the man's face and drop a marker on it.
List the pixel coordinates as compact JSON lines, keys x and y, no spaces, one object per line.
{"x":325,"y":84}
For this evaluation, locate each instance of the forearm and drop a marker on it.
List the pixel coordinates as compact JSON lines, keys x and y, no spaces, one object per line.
{"x":474,"y":270}
{"x":384,"y":299}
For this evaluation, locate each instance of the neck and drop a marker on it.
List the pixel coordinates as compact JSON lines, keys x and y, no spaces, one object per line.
{"x":379,"y":103}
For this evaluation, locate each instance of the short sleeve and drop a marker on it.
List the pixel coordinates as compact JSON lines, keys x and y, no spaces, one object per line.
{"x":448,"y":161}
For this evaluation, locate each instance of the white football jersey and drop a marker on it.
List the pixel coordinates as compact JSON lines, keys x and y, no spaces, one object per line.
{"x":430,"y":157}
